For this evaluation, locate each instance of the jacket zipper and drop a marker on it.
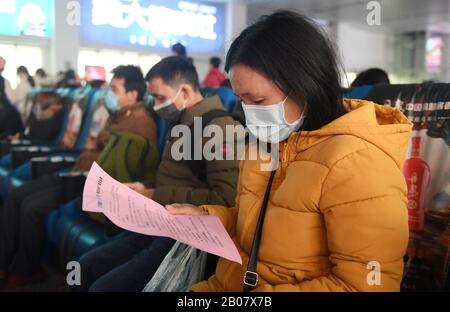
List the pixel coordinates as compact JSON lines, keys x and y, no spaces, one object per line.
{"x":282,"y":161}
{"x":285,"y":157}
{"x":285,"y":152}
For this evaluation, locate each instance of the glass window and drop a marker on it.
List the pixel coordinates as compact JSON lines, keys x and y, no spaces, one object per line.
{"x":17,"y":55}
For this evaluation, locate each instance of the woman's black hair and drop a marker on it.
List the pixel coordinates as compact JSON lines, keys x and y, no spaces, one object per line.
{"x":24,"y":70}
{"x":297,"y":55}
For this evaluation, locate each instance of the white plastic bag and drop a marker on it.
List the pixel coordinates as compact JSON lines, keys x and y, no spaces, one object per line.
{"x":182,"y":267}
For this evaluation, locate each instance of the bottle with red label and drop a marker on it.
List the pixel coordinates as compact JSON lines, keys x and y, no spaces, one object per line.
{"x":417,"y":174}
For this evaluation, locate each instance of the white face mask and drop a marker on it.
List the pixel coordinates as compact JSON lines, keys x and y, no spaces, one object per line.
{"x":268,"y":122}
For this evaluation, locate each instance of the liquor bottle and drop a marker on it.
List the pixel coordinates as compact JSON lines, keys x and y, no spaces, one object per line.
{"x":417,"y":174}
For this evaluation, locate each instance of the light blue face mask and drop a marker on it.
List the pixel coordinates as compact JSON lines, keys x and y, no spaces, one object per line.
{"x":112,"y":101}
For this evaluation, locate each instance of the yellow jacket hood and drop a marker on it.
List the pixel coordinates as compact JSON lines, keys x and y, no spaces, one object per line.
{"x":383,"y":126}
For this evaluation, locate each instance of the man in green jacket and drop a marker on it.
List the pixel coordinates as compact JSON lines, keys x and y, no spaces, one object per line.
{"x":128,"y":263}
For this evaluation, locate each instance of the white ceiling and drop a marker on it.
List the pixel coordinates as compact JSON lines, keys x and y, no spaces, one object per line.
{"x":396,"y":15}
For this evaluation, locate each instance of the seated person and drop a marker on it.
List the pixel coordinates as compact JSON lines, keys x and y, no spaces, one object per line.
{"x":10,"y":120}
{"x":45,"y":118}
{"x":215,"y":77}
{"x":333,"y":208}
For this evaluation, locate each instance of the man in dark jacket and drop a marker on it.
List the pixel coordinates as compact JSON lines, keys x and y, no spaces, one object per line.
{"x":128,"y":263}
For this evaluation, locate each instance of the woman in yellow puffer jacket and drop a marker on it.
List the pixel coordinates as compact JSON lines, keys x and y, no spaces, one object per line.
{"x":336,"y":217}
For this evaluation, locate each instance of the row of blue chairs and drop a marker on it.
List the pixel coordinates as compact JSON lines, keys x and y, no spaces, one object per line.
{"x":69,"y":231}
{"x":14,"y":174}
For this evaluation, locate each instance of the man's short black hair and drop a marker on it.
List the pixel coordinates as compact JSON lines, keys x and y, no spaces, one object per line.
{"x":134,"y":79}
{"x":179,"y":49}
{"x":175,"y":70}
{"x":215,"y":61}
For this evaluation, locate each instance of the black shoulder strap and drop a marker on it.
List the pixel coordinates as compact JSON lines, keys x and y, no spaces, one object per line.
{"x":251,"y":277}
{"x":198,"y":167}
